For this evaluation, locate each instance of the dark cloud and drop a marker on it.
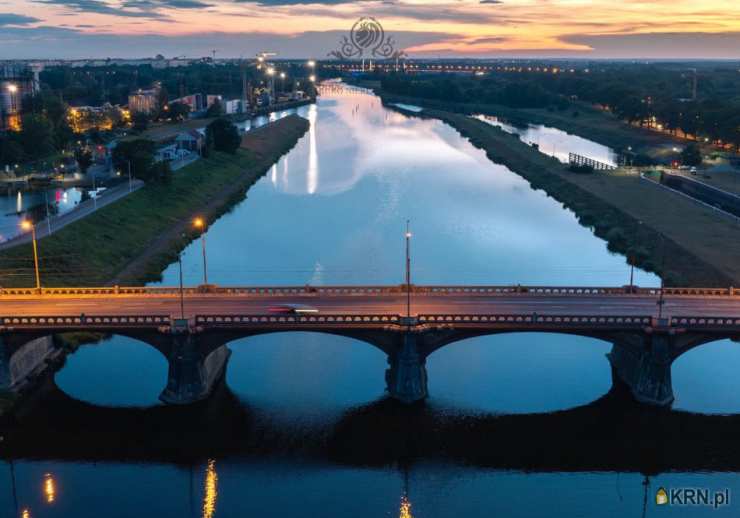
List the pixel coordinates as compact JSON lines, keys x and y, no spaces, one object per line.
{"x":153,"y":5}
{"x":61,"y":43}
{"x":491,"y":2}
{"x":695,"y":45}
{"x":16,"y":19}
{"x":100,"y":7}
{"x":275,"y":3}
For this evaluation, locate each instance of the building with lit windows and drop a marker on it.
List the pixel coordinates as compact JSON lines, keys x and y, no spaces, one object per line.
{"x":144,"y":101}
{"x":16,"y":82}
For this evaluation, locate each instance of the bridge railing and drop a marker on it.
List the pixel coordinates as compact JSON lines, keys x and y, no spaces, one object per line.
{"x":86,"y":321}
{"x":705,"y":322}
{"x":533,"y":319}
{"x":240,"y":320}
{"x":267,"y":291}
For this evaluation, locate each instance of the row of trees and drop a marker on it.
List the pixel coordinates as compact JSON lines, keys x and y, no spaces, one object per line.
{"x":44,"y":131}
{"x":653,"y":95}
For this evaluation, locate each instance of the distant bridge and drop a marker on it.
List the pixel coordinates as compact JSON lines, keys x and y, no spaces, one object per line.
{"x":648,"y":327}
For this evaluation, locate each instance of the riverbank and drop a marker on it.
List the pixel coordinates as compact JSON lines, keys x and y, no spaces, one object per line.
{"x":168,"y":131}
{"x":589,"y":122}
{"x":700,"y":248}
{"x":133,"y":240}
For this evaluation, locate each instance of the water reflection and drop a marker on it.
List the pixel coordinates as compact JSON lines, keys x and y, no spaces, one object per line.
{"x":36,"y":205}
{"x":554,"y":142}
{"x":210,"y":491}
{"x":50,"y":490}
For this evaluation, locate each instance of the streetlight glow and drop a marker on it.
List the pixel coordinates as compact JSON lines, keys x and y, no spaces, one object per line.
{"x":270,"y":71}
{"x":198,"y":222}
{"x":311,"y":63}
{"x":26,"y":225}
{"x":12,"y":88}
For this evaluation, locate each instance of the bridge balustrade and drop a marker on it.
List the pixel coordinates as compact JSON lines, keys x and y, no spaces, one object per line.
{"x":266,"y":291}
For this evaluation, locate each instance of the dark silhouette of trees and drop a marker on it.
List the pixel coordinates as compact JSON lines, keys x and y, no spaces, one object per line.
{"x":223,"y":135}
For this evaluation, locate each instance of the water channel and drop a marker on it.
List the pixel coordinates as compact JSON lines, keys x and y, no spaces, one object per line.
{"x":333,"y":211}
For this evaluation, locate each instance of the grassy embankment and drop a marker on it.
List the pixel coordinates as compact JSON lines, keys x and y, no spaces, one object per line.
{"x":133,"y":240}
{"x":162,"y":132}
{"x":701,"y":248}
{"x":590,"y":123}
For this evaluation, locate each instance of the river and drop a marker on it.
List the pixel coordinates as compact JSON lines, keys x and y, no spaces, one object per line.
{"x":333,"y":211}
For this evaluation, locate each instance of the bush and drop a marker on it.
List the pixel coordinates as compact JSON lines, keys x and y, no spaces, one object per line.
{"x":581,"y":169}
{"x":224,"y":136}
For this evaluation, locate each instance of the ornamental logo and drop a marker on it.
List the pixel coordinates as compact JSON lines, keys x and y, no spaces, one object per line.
{"x":366,"y":39}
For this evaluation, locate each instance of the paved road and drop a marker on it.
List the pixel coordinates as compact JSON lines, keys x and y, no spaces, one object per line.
{"x":82,"y":210}
{"x":375,"y":304}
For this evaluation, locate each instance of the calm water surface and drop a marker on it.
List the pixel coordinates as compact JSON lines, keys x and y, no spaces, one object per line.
{"x":333,"y":212}
{"x":555,"y":142}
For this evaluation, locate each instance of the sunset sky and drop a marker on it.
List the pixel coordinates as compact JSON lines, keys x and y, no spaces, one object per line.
{"x":425,"y":28}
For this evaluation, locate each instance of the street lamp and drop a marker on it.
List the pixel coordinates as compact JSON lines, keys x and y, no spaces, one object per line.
{"x":408,"y":270}
{"x":28,"y":225}
{"x":311,"y":63}
{"x":200,"y":224}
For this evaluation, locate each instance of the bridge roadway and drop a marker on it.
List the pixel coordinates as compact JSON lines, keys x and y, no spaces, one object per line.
{"x":385,"y":303}
{"x":643,"y":345}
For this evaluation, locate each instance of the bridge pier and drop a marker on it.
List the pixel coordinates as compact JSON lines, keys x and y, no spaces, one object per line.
{"x":22,"y":359}
{"x":646,"y":370}
{"x":192,"y":374}
{"x":406,"y":376}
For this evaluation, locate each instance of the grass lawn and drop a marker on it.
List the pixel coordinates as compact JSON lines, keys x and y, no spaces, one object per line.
{"x":701,"y":248}
{"x":141,"y":233}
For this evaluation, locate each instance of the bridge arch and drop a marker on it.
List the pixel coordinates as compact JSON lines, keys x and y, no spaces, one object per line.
{"x":122,"y":370}
{"x":305,"y":373}
{"x":705,"y":377}
{"x":494,"y":372}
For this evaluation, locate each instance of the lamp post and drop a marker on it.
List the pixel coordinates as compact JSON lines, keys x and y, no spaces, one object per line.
{"x":408,"y":270}
{"x":27,"y":225}
{"x":130,"y":180}
{"x":182,"y":293}
{"x":200,"y":224}
{"x":661,"y":300}
{"x":282,"y":81}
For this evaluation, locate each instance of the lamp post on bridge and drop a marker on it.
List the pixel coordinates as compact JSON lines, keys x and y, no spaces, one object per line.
{"x":28,"y":225}
{"x":408,"y":270}
{"x":182,"y":294}
{"x":200,"y":224}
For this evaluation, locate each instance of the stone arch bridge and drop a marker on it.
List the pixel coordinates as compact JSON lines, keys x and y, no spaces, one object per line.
{"x":648,"y":327}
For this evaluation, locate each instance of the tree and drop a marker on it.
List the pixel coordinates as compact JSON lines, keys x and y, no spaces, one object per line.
{"x":84,"y":159}
{"x":36,"y":136}
{"x":141,"y":121}
{"x":139,"y":153}
{"x":179,"y":111}
{"x":215,"y":109}
{"x":11,"y":152}
{"x":225,"y":136}
{"x":691,"y":155}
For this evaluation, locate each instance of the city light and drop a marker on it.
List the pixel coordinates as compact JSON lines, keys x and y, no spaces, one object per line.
{"x":198,"y":222}
{"x":270,"y":71}
{"x":211,"y":490}
{"x":312,"y":78}
{"x":311,"y":63}
{"x":26,"y":225}
{"x":12,"y":88}
{"x":49,"y":488}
